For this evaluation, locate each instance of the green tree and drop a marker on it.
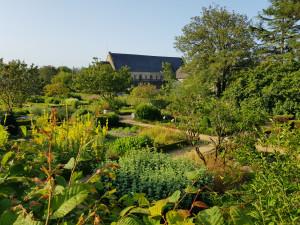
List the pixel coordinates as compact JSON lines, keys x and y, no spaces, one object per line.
{"x":61,"y":84}
{"x":169,"y":76}
{"x":218,"y":42}
{"x":47,"y":73}
{"x":101,"y":79}
{"x":274,"y":84}
{"x":278,"y":28}
{"x":18,"y":81}
{"x":144,"y":93}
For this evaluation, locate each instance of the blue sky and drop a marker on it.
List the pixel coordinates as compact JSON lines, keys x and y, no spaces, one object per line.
{"x":71,"y":32}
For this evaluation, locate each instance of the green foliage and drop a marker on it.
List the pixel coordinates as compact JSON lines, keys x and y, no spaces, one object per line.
{"x":52,"y":100}
{"x":278,"y":28}
{"x":3,"y":136}
{"x":212,"y":216}
{"x":155,"y":174}
{"x":218,"y":42}
{"x":61,"y":85}
{"x":144,"y":93}
{"x":65,"y":202}
{"x":74,"y":102}
{"x":101,"y":79}
{"x":127,"y":144}
{"x":56,"y":89}
{"x":36,"y":99}
{"x":147,"y":112}
{"x":47,"y":73}
{"x":162,"y":136}
{"x":169,"y":76}
{"x":111,"y":118}
{"x":18,"y":82}
{"x":81,"y":112}
{"x":272,"y":84}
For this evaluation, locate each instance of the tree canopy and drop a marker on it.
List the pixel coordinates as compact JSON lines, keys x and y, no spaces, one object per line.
{"x":219,"y":42}
{"x":278,"y":28}
{"x":18,"y":81}
{"x":101,"y":79}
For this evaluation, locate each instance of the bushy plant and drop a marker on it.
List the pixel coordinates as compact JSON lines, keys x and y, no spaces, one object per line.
{"x":111,"y":118}
{"x":126,"y":144}
{"x":52,"y":100}
{"x":147,"y":112}
{"x":74,"y":102}
{"x":37,"y":110}
{"x":155,"y":174}
{"x":36,"y":99}
{"x":3,"y":136}
{"x":81,"y":112}
{"x":74,"y":95}
{"x":144,"y":93}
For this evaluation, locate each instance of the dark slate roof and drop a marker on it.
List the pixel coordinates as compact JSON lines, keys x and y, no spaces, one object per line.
{"x":144,"y":63}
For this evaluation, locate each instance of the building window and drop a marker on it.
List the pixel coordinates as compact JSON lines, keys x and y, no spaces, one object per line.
{"x":150,"y":77}
{"x":140,"y":77}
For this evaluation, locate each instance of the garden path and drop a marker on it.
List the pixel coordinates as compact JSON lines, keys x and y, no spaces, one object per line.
{"x":206,"y":148}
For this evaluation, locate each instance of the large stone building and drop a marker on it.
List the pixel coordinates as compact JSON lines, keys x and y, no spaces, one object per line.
{"x":144,"y":68}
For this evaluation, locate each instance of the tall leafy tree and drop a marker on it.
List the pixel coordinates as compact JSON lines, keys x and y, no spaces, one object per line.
{"x":47,"y":73}
{"x":219,"y":42}
{"x":18,"y":81}
{"x":101,"y":79}
{"x":279,"y":28}
{"x":61,"y":84}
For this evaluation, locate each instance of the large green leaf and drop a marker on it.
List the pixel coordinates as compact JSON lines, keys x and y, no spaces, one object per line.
{"x":150,"y":221}
{"x":142,"y":200}
{"x":173,"y":217}
{"x":70,"y":164}
{"x":7,"y":156}
{"x":68,"y":200}
{"x":15,"y":180}
{"x":11,"y":218}
{"x":174,"y":197}
{"x":156,"y":210}
{"x":26,"y":220}
{"x":8,"y":217}
{"x":212,"y":216}
{"x":238,"y":217}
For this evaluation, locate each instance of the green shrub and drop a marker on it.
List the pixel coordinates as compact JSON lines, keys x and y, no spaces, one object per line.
{"x":126,"y":144}
{"x":64,"y":113}
{"x":112,"y":118}
{"x":155,"y":174}
{"x":80,"y":112}
{"x":74,"y":95}
{"x":116,"y":103}
{"x":74,"y":102}
{"x":36,"y":99}
{"x":147,"y":112}
{"x":52,"y":100}
{"x":37,"y":110}
{"x":3,"y":136}
{"x":126,"y":111}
